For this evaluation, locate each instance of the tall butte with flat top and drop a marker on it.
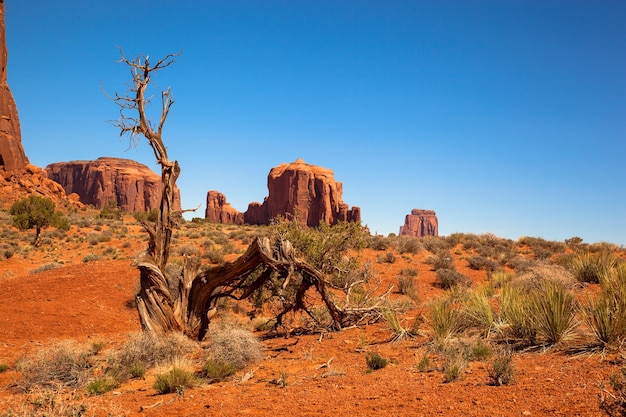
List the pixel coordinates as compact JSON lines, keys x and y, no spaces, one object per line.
{"x":12,"y":156}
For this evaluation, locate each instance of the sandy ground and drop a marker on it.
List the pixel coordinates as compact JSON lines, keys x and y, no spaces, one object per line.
{"x":325,"y":376}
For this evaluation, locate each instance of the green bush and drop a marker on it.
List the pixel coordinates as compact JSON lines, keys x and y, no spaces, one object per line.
{"x":101,"y":386}
{"x":36,"y":213}
{"x":175,"y":380}
{"x":375,"y":362}
{"x":218,"y":369}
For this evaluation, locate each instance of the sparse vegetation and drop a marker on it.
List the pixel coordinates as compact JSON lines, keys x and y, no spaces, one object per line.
{"x":176,"y":379}
{"x":501,"y":368}
{"x":375,"y":362}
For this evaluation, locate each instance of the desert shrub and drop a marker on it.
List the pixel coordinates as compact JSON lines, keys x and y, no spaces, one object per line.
{"x":375,"y":362}
{"x":46,"y":267}
{"x":111,"y":211}
{"x":434,"y":244}
{"x":65,"y":363}
{"x":34,"y":212}
{"x":516,"y":313}
{"x":404,"y":244}
{"x":91,"y":257}
{"x":537,"y":272}
{"x":546,"y":310}
{"x":218,"y":369}
{"x":213,"y":255}
{"x":387,"y":258}
{"x":424,"y":364}
{"x":500,"y":278}
{"x":440,"y":260}
{"x":4,"y":367}
{"x":49,"y":402}
{"x":407,"y":286}
{"x":454,"y":365}
{"x":501,"y":368}
{"x":613,"y":400}
{"x":476,"y":351}
{"x":589,"y":266}
{"x":543,"y":249}
{"x":554,"y":308}
{"x":481,"y":262}
{"x":392,"y":320}
{"x":233,"y":346}
{"x":143,"y":351}
{"x":377,"y":242}
{"x":449,"y":278}
{"x":101,"y":385}
{"x":176,"y":379}
{"x":188,"y":250}
{"x":110,"y":251}
{"x":445,"y":320}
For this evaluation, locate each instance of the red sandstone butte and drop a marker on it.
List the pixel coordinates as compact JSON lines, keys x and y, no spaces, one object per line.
{"x":133,"y":186}
{"x":420,"y":223}
{"x":306,"y":191}
{"x":12,"y":156}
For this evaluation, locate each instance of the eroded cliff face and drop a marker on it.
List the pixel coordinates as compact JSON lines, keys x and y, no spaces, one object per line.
{"x":306,"y":191}
{"x":133,"y":186}
{"x":219,"y":210}
{"x":420,"y":223}
{"x":12,"y":156}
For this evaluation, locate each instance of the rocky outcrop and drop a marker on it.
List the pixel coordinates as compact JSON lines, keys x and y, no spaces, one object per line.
{"x":420,"y":223}
{"x":218,"y":210}
{"x":306,"y":191}
{"x":12,"y":156}
{"x":133,"y":186}
{"x":33,"y":180}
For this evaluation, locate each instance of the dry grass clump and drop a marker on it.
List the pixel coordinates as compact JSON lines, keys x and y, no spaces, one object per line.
{"x":231,"y":348}
{"x":406,"y":283}
{"x":176,"y":377}
{"x":65,"y":363}
{"x":501,"y":368}
{"x":143,"y":351}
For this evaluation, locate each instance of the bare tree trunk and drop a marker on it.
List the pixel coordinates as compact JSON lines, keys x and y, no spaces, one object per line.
{"x":159,"y":310}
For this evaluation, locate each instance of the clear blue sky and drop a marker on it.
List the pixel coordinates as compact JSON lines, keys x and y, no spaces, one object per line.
{"x":506,"y":117}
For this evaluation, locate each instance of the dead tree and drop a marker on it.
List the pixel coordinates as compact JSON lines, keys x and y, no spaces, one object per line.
{"x":186,"y":310}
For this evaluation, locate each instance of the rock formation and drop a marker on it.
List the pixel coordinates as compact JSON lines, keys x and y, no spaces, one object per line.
{"x":218,"y":210}
{"x":306,"y":191}
{"x":12,"y":156}
{"x":420,"y":223}
{"x":133,"y":186}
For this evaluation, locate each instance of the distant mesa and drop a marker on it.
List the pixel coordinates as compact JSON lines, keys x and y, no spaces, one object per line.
{"x":306,"y":191}
{"x":133,"y":186}
{"x":12,"y":156}
{"x":420,"y":223}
